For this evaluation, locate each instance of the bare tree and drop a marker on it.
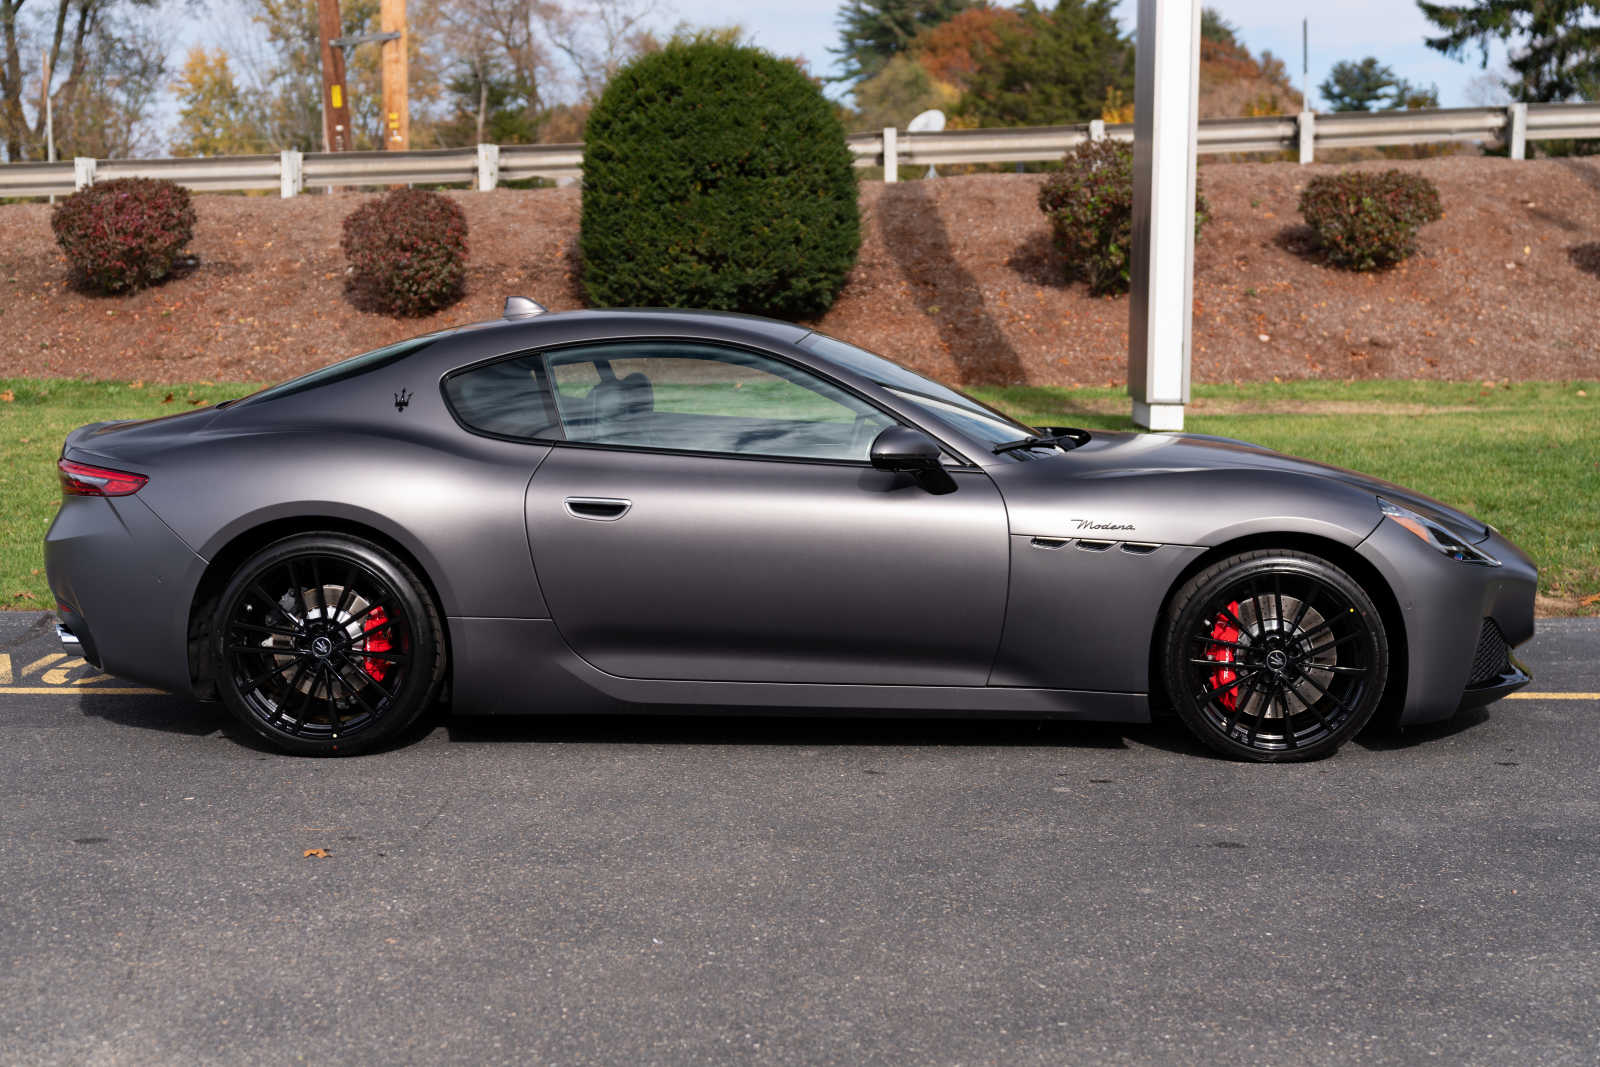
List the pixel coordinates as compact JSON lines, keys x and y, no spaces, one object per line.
{"x":105,"y":69}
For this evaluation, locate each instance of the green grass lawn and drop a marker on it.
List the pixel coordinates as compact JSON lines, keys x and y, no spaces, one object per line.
{"x":1525,"y":457}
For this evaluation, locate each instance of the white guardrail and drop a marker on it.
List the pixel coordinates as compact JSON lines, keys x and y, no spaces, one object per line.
{"x":485,"y":166}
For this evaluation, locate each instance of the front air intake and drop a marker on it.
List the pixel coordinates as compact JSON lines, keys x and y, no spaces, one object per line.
{"x":1493,"y":657}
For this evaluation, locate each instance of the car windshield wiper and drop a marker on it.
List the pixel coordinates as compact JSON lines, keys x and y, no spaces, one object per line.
{"x":1064,"y":439}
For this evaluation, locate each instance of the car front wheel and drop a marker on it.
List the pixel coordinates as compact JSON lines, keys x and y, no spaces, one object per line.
{"x":326,"y":645}
{"x":1274,"y":656}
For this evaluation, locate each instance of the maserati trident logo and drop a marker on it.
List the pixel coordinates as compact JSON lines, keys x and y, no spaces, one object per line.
{"x":322,"y":648}
{"x":401,"y":399}
{"x":1277,"y":660}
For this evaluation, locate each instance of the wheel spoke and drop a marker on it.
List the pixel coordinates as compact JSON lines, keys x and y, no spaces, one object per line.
{"x":261,"y":650}
{"x":275,"y":631}
{"x":1333,"y":667}
{"x":1346,"y":708}
{"x":1319,"y":650}
{"x":258,"y":679}
{"x":354,"y":691}
{"x":1282,"y":698}
{"x":400,"y":657}
{"x":370,"y":680}
{"x":364,"y":612}
{"x":1219,"y":643}
{"x":273,"y":605}
{"x":1238,"y":679}
{"x":345,"y":592}
{"x":1226,"y":610}
{"x":1277,"y":599}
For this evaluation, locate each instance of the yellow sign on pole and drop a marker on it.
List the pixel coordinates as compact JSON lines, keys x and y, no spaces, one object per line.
{"x":396,"y":73}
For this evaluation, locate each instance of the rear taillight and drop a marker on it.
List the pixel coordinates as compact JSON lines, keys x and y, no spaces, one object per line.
{"x":80,"y":479}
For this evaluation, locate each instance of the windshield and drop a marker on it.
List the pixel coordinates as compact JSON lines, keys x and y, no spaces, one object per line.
{"x":346,"y":368}
{"x":972,"y":417}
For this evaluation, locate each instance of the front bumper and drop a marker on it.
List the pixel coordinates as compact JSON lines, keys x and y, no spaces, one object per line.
{"x":1446,"y":608}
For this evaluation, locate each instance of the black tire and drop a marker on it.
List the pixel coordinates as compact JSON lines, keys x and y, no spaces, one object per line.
{"x":326,"y":645}
{"x":1274,"y":656}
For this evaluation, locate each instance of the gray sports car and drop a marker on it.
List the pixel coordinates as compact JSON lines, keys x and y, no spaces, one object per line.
{"x":620,"y":510}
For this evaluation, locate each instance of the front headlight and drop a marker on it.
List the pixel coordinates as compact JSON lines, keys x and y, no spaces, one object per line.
{"x":1441,"y":540}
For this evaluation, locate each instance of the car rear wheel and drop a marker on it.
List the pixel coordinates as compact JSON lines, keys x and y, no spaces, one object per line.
{"x":326,"y":644}
{"x":1274,"y":656}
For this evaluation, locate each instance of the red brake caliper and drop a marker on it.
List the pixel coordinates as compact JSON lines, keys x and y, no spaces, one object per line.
{"x":375,"y":642}
{"x":1224,"y":630}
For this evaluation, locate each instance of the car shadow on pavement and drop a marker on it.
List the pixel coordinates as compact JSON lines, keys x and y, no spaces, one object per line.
{"x":1387,"y":737}
{"x":761,"y":727}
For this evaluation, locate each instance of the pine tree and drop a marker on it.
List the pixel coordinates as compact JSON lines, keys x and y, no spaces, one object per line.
{"x":1554,"y":45}
{"x":1357,"y":86}
{"x":871,"y":32}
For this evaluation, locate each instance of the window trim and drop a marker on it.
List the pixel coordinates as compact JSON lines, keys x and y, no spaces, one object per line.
{"x":542,"y":368}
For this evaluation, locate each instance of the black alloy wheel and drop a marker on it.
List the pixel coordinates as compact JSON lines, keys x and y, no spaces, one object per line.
{"x":326,"y":645}
{"x":1274,"y":656}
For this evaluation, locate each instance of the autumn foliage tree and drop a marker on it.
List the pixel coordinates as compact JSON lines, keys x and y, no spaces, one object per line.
{"x":213,"y":116}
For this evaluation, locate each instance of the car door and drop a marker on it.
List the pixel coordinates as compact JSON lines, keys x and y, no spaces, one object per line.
{"x":712,"y":514}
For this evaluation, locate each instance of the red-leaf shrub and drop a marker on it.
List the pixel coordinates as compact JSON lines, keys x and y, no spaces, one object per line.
{"x":1089,"y":203}
{"x":409,"y":251}
{"x":1369,"y":220}
{"x":125,"y":233}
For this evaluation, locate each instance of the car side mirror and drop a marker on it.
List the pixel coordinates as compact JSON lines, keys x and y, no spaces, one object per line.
{"x":901,"y":448}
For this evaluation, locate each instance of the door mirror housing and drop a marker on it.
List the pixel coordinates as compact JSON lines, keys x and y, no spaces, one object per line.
{"x":901,"y":448}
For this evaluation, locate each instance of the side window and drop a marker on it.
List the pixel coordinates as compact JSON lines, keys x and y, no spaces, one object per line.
{"x":705,"y":398}
{"x":506,"y":398}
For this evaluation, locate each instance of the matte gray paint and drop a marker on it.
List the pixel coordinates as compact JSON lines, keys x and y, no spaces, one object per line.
{"x":762,"y":583}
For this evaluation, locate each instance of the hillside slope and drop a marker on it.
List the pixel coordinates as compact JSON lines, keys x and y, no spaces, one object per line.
{"x":956,"y":278}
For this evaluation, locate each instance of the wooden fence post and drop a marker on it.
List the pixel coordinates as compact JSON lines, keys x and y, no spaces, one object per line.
{"x":891,"y":157}
{"x":82,"y":172}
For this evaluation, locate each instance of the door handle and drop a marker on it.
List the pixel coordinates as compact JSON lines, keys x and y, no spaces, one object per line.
{"x":598,"y":508}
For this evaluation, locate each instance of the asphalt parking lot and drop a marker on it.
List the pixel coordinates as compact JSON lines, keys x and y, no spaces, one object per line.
{"x":684,"y":890}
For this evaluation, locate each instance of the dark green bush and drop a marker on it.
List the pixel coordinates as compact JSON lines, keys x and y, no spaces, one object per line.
{"x":716,"y":176}
{"x":1089,"y":203}
{"x":409,"y":251}
{"x":125,"y":233}
{"x":1368,"y":220}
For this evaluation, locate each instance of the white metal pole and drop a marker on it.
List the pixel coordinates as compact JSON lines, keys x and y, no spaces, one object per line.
{"x":891,"y":159}
{"x":1165,"y":107}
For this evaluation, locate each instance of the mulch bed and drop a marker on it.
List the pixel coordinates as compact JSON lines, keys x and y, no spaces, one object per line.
{"x":957,"y":278}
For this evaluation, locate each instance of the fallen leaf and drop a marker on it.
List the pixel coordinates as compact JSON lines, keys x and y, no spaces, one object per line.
{"x":7,"y":397}
{"x":167,"y":399}
{"x":1590,"y":600}
{"x":316,"y":853}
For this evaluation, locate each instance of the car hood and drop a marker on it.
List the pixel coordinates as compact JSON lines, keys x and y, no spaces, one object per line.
{"x":1119,"y":454}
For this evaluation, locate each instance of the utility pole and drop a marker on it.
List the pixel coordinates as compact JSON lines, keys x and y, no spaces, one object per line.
{"x":49,"y":110}
{"x":396,"y":74}
{"x":1305,"y":64}
{"x":335,"y":95}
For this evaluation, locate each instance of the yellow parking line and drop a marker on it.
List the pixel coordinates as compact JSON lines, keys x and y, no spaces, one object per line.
{"x":40,"y":690}
{"x":42,"y":661}
{"x":1553,"y":696}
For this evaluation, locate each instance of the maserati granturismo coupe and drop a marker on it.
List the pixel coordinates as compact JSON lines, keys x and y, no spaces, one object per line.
{"x":598,"y":511}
